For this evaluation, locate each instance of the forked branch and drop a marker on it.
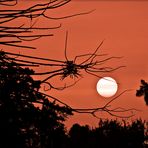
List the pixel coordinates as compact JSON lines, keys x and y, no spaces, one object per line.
{"x":107,"y":108}
{"x":18,"y":34}
{"x":72,"y":69}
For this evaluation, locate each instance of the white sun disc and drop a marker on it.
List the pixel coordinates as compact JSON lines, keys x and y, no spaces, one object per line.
{"x":107,"y":87}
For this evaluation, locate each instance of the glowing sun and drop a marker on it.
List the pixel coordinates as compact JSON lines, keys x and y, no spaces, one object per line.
{"x":107,"y":87}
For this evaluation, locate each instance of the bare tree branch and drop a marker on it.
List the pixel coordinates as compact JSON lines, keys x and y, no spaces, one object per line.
{"x":8,"y":2}
{"x":18,"y":33}
{"x":106,"y":108}
{"x":87,"y":63}
{"x":69,"y":68}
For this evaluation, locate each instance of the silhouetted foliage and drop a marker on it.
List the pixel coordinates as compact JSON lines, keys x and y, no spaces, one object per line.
{"x":14,"y":35}
{"x":109,"y":133}
{"x":29,"y":119}
{"x":64,"y":69}
{"x":79,"y":136}
{"x":143,"y":91}
{"x":23,"y":124}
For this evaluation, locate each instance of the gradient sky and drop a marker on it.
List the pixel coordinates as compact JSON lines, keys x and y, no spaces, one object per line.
{"x":124,"y":26}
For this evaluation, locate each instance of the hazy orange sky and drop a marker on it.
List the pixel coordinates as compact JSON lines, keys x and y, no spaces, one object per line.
{"x":124,"y":26}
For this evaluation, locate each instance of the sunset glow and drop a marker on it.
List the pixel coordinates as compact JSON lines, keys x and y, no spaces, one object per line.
{"x":123,"y":25}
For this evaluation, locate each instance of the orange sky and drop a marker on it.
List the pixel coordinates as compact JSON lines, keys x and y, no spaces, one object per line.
{"x":124,"y":26}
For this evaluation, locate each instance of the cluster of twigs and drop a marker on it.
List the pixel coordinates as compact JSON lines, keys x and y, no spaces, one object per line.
{"x":71,"y":68}
{"x":15,"y":35}
{"x":67,"y":68}
{"x":107,"y":108}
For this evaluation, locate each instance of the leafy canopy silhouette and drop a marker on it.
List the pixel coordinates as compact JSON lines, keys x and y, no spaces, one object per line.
{"x":23,"y":124}
{"x":110,"y":133}
{"x":14,"y":35}
{"x":143,"y":91}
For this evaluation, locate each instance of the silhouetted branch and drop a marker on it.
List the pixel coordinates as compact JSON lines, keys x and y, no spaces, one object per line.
{"x":69,"y":68}
{"x":55,"y":99}
{"x":33,"y":57}
{"x":8,"y":2}
{"x":18,"y":33}
{"x":72,"y":69}
{"x":105,"y":108}
{"x":88,"y":63}
{"x":50,"y":86}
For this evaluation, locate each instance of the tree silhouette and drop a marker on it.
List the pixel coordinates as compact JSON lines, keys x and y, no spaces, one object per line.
{"x":23,"y":124}
{"x":64,"y":69}
{"x":29,"y":117}
{"x":143,"y":91}
{"x":109,"y":133}
{"x":79,"y":136}
{"x":88,"y":63}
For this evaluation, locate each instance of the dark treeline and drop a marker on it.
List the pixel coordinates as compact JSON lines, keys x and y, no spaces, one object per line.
{"x":109,"y":133}
{"x":24,"y":124}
